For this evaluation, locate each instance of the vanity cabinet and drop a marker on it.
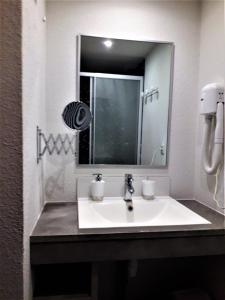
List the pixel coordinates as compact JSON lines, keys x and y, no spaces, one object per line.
{"x":157,"y":279}
{"x":65,"y":281}
{"x":125,"y":264}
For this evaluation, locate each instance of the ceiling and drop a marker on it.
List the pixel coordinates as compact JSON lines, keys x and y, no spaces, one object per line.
{"x":124,"y":57}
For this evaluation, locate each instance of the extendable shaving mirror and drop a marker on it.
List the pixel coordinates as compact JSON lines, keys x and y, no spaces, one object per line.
{"x":77,"y":116}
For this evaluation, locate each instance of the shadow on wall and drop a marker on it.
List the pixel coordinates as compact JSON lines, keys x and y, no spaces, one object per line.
{"x":59,"y":180}
{"x":215,"y":186}
{"x":42,"y":183}
{"x":57,"y":163}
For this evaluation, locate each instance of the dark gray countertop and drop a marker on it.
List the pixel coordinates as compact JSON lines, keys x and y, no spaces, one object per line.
{"x":58,"y":223}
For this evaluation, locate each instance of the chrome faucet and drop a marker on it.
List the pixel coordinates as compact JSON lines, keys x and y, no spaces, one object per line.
{"x":129,"y":190}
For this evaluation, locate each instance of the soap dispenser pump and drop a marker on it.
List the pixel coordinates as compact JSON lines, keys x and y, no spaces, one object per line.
{"x":98,"y":177}
{"x":97,"y":188}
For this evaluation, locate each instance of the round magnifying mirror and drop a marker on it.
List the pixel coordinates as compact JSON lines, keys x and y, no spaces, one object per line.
{"x":77,"y":115}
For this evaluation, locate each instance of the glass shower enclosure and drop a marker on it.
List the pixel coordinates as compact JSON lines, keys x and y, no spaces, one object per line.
{"x":116,"y":105}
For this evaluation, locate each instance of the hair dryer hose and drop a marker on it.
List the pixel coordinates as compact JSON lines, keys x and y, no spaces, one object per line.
{"x":212,"y":163}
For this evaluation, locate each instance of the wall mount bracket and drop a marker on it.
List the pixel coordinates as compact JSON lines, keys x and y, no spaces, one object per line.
{"x":61,"y":143}
{"x":150,"y":94}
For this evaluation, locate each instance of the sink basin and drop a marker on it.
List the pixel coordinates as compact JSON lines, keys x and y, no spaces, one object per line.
{"x":113,"y":213}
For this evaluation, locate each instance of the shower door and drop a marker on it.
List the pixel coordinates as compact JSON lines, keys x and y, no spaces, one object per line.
{"x":115,"y":135}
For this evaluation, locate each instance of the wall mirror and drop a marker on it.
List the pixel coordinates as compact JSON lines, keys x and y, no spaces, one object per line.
{"x":127,"y":85}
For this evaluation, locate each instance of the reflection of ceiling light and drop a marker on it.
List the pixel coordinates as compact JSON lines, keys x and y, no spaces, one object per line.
{"x":108,"y":43}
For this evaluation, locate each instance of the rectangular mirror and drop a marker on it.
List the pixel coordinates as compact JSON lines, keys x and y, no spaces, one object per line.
{"x":127,"y":85}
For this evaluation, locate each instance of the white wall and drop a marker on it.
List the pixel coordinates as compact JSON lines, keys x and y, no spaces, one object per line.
{"x":173,"y":21}
{"x":33,"y":50}
{"x":155,"y":110}
{"x":211,"y":69}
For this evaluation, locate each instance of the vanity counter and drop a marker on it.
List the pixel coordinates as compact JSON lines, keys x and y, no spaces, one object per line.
{"x":56,"y":238}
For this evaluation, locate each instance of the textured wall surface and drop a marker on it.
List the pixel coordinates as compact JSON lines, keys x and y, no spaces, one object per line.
{"x":211,"y":69}
{"x":11,"y":175}
{"x":175,"y":21}
{"x":34,"y":63}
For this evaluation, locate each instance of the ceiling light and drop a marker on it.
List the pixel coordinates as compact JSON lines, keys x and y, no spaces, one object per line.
{"x":108,"y":43}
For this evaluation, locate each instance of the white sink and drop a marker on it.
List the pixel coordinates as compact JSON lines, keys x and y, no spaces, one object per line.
{"x":113,"y":213}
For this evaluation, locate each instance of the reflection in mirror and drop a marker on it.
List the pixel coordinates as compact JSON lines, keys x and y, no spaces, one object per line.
{"x":127,"y":86}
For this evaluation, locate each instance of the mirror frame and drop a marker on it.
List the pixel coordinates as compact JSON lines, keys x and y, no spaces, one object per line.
{"x":77,"y":88}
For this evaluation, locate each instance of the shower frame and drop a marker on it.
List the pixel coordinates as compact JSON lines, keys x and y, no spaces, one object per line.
{"x":93,"y":77}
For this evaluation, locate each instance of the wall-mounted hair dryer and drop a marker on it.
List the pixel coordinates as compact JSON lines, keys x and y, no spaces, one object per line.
{"x":212,"y":101}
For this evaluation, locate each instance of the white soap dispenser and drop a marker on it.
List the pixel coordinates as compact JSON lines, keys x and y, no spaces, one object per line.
{"x":97,"y":188}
